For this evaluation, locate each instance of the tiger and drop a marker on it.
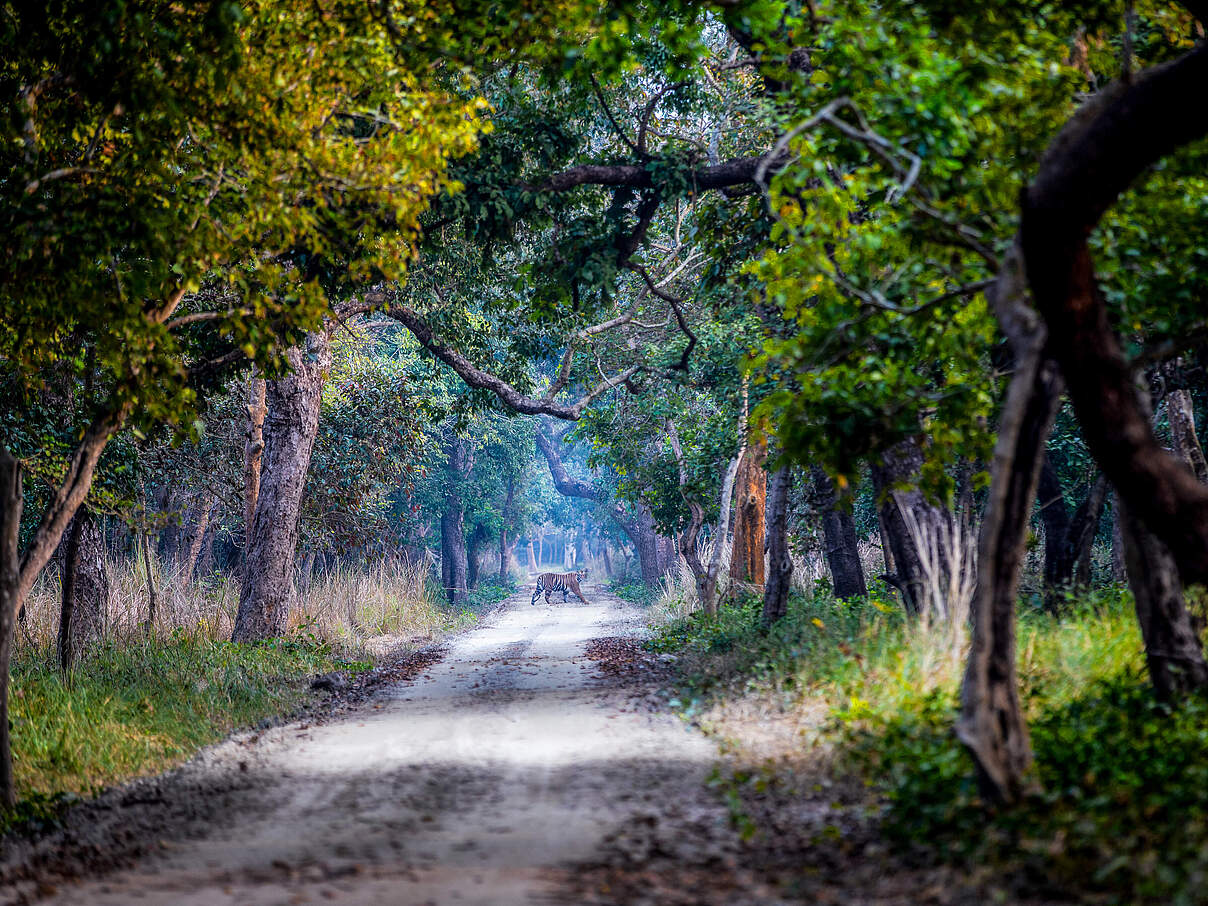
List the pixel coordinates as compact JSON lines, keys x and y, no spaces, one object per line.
{"x":563,"y":582}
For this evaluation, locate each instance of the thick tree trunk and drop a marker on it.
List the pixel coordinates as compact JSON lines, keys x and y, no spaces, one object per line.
{"x":751,"y":491}
{"x":1055,"y":516}
{"x":648,"y":546}
{"x":253,"y":450}
{"x":607,"y":559}
{"x":1172,"y":649}
{"x":839,"y":536}
{"x":992,"y":724}
{"x":780,"y":563}
{"x":896,"y":480}
{"x":291,"y":426}
{"x":1113,"y":140}
{"x":11,"y":502}
{"x":85,"y":590}
{"x":1181,"y":415}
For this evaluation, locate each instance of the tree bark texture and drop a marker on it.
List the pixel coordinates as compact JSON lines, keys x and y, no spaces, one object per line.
{"x":204,"y":506}
{"x":505,"y":550}
{"x":290,"y":429}
{"x":839,"y":537}
{"x":454,"y":555}
{"x":11,"y":502}
{"x":896,"y":480}
{"x":992,"y":724}
{"x":751,"y":492}
{"x":253,"y":450}
{"x":1117,"y":136}
{"x":1181,"y":416}
{"x":1172,"y":649}
{"x":780,"y":563}
{"x":647,"y":546}
{"x":85,"y":590}
{"x":1068,"y":541}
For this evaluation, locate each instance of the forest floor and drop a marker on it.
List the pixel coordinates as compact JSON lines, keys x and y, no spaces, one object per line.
{"x":535,"y":762}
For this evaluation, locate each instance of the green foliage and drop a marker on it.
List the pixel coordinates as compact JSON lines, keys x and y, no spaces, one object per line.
{"x":490,"y":591}
{"x":139,"y":706}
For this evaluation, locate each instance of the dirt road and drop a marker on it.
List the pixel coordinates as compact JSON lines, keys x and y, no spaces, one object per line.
{"x":491,"y":778}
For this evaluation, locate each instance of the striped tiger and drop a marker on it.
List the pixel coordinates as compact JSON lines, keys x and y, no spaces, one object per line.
{"x":563,"y":582}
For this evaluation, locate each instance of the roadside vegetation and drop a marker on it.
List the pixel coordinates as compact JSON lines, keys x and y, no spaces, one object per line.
{"x":1120,"y":810}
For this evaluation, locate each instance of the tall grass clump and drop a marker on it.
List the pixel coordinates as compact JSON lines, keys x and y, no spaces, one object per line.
{"x":146,"y":695}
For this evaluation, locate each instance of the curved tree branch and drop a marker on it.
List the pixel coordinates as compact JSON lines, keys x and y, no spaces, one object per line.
{"x":1115,"y":138}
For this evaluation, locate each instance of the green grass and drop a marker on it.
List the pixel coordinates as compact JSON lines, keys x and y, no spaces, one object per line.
{"x":1123,"y":812}
{"x":139,"y":706}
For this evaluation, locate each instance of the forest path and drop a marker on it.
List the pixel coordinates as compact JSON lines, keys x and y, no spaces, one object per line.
{"x":484,"y":780}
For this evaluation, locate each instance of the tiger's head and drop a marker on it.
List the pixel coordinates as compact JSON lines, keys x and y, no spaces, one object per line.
{"x":581,"y":574}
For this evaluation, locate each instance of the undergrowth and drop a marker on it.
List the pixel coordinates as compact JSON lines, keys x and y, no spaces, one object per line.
{"x":1121,"y":812}
{"x":136,"y":707}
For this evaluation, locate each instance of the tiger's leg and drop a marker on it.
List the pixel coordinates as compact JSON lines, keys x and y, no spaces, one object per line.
{"x":535,"y":594}
{"x":581,"y":598}
{"x":564,"y":596}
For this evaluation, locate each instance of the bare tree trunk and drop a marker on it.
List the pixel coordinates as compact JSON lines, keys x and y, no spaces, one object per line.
{"x":780,"y":563}
{"x":896,"y":480}
{"x":992,"y":724}
{"x":648,"y":546}
{"x":253,"y":450}
{"x":1172,"y":649}
{"x":203,"y":510}
{"x":291,"y":427}
{"x":151,"y":594}
{"x":11,"y":502}
{"x":306,"y":572}
{"x":839,"y":536}
{"x":533,"y":567}
{"x":746,"y":562}
{"x":453,"y":523}
{"x":1181,"y":415}
{"x":713,"y":570}
{"x":85,"y":588}
{"x":608,"y":571}
{"x":1119,"y":568}
{"x":1068,"y":541}
{"x":504,"y":550}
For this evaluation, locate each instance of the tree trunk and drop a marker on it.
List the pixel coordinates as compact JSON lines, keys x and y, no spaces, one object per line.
{"x":839,"y":536}
{"x":203,"y":510}
{"x":306,"y":572}
{"x":896,"y":480}
{"x":85,"y":590}
{"x":253,"y":450}
{"x":607,"y":560}
{"x":151,"y":594}
{"x":1119,"y":569}
{"x":504,"y":550}
{"x":1172,"y":649}
{"x":11,"y":502}
{"x":1117,"y":136}
{"x":780,"y":563}
{"x":648,"y":546}
{"x":533,"y":567}
{"x":293,"y":422}
{"x":1068,"y":541}
{"x":474,"y":556}
{"x":1181,"y":415}
{"x":454,"y":556}
{"x":746,"y":562}
{"x":992,"y":724}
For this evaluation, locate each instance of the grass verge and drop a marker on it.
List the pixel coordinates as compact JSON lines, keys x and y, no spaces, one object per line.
{"x":1122,"y":815}
{"x":139,"y":706}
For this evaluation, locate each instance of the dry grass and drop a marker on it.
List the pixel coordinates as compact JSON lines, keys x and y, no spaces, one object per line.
{"x":359,"y":612}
